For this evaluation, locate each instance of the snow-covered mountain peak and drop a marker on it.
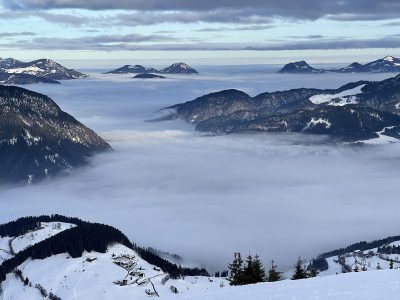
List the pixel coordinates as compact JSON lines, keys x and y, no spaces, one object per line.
{"x":179,"y":68}
{"x":389,"y":58}
{"x":40,"y":68}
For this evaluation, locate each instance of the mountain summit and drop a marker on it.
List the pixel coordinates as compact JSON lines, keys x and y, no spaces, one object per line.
{"x":41,"y":68}
{"x":299,"y":67}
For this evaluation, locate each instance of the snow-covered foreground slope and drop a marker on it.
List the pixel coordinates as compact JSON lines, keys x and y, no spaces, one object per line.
{"x":117,"y":274}
{"x":97,"y":276}
{"x":365,"y":285}
{"x":117,"y":271}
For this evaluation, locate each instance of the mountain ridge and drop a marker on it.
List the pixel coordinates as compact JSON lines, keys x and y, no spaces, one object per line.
{"x":388,"y":64}
{"x":38,"y":139}
{"x":295,"y":110}
{"x":175,"y":68}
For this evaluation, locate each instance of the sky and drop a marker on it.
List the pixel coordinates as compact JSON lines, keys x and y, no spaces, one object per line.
{"x":200,"y":32}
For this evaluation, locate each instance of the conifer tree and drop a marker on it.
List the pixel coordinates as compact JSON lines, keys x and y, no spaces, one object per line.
{"x":249,"y":271}
{"x":236,"y":268}
{"x":273,"y":274}
{"x":300,"y":272}
{"x":259,"y":271}
{"x":312,"y":272}
{"x":391,"y":264}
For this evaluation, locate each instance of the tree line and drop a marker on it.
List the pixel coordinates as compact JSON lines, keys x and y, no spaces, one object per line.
{"x":252,"y":271}
{"x":389,"y":250}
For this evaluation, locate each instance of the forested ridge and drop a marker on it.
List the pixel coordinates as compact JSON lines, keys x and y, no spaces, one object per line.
{"x":85,"y":236}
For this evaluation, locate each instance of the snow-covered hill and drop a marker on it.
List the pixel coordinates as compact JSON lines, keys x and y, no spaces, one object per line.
{"x":117,"y":274}
{"x":120,"y":272}
{"x":385,"y":256}
{"x":41,"y":68}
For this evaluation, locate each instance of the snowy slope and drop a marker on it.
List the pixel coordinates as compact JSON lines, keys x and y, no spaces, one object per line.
{"x":19,"y":243}
{"x":368,"y":260}
{"x":340,"y":99}
{"x":97,"y":276}
{"x":47,"y":230}
{"x":120,"y":273}
{"x":377,"y":285}
{"x":80,"y":278}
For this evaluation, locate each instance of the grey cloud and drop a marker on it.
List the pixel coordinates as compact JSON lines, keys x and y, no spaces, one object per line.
{"x":14,"y":34}
{"x":301,"y":9}
{"x":239,"y":28}
{"x":68,"y":19}
{"x":97,"y":42}
{"x":244,"y":16}
{"x":132,"y":43}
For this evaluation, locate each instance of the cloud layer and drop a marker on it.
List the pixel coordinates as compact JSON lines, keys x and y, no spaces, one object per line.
{"x":302,"y":9}
{"x":206,"y":197}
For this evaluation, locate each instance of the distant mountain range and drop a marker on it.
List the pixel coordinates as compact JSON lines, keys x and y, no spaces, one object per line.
{"x":38,"y":139}
{"x":357,"y":111}
{"x":176,"y":68}
{"x":389,"y":64}
{"x":13,"y":71}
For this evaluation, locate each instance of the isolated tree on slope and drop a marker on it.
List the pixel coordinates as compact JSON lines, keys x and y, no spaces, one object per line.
{"x":300,"y":272}
{"x":273,"y":274}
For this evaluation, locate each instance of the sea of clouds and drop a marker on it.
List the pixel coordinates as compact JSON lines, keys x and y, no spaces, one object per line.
{"x":204,"y":197}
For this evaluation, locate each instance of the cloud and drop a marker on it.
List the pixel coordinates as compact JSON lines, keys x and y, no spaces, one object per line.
{"x":302,"y":9}
{"x":205,"y":197}
{"x":240,"y":28}
{"x":229,"y":16}
{"x":98,"y":42}
{"x":57,"y":18}
{"x":14,"y":34}
{"x":136,"y":42}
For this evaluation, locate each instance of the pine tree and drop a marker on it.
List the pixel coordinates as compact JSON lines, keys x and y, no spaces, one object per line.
{"x":249,"y":271}
{"x":273,"y":274}
{"x":312,"y":272}
{"x":236,"y":268}
{"x":259,"y":271}
{"x":391,"y":264}
{"x":300,"y":272}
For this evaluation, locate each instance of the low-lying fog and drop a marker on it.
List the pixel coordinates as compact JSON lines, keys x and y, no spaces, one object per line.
{"x":202,"y":197}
